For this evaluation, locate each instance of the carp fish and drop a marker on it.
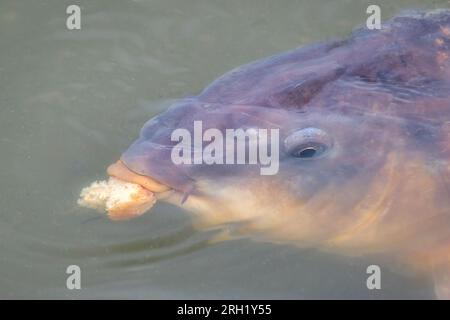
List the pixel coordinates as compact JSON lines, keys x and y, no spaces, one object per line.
{"x":363,"y":147}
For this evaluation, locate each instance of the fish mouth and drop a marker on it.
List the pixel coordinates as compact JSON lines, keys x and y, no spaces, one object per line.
{"x":120,"y":171}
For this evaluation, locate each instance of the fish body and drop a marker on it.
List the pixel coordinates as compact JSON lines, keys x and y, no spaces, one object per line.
{"x":363,"y":147}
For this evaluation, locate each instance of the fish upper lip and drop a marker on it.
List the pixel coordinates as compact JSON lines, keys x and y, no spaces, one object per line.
{"x":122,"y":172}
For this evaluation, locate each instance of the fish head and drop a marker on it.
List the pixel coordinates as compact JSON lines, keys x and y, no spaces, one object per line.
{"x":338,"y":128}
{"x":288,"y":159}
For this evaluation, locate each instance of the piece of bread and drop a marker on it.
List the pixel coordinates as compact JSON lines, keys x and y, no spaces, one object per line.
{"x":120,"y":199}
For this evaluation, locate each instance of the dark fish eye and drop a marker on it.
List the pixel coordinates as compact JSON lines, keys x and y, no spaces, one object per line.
{"x":307,"y":151}
{"x":307,"y":143}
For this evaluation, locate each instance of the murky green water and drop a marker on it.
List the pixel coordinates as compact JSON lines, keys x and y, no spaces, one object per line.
{"x":71,"y":101}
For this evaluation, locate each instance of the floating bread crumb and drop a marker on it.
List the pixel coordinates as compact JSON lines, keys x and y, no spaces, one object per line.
{"x":120,"y":199}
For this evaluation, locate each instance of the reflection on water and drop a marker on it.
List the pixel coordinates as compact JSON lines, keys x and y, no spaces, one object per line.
{"x":71,"y":101}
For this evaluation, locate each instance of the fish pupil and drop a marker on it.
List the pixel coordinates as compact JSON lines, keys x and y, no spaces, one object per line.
{"x":307,"y":152}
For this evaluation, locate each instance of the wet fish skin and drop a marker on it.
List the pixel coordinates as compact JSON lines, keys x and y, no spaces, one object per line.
{"x":382,"y":97}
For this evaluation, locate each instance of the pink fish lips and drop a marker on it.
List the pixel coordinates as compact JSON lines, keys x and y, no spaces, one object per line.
{"x":121,"y":171}
{"x":124,"y":196}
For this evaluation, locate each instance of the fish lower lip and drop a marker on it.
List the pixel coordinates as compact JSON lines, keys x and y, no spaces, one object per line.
{"x":121,"y":171}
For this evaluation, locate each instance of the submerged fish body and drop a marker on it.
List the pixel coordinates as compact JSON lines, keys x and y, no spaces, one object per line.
{"x":373,"y":114}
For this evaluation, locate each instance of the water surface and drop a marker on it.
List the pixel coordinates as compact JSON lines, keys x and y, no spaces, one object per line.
{"x":72,"y":101}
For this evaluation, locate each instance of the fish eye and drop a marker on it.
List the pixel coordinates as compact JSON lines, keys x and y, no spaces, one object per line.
{"x":308,"y":151}
{"x":307,"y":143}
